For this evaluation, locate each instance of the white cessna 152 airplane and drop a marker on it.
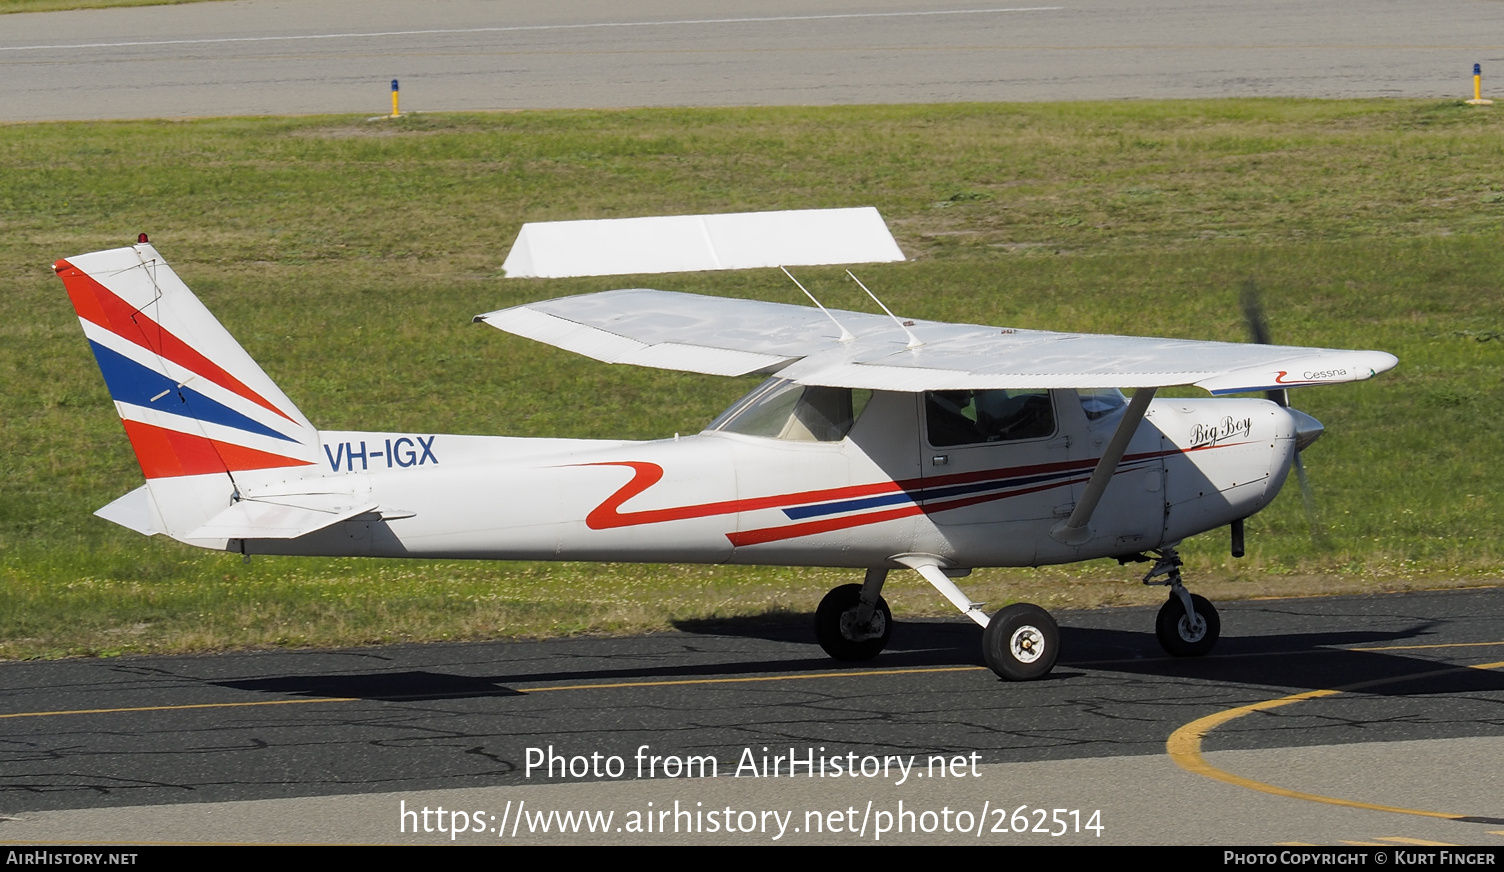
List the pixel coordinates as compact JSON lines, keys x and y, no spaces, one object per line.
{"x":874,"y":444}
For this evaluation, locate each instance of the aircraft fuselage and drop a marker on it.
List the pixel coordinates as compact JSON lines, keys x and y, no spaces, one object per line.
{"x":722,"y":497}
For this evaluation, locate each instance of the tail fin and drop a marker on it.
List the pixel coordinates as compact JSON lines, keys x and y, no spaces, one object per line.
{"x":196,"y":407}
{"x":192,"y":401}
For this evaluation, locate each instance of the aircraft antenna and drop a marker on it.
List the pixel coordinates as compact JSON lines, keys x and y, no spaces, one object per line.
{"x":913,"y":340}
{"x":845,"y":334}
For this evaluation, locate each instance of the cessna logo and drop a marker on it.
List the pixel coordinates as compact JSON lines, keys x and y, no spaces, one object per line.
{"x":1227,"y":428}
{"x":1284,"y":377}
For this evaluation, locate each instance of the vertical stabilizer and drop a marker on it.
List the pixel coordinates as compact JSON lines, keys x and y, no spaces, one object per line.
{"x":196,"y":407}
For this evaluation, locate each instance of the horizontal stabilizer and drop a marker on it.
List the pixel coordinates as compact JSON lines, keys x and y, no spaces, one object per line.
{"x":281,"y":517}
{"x":133,"y":512}
{"x":690,"y":243}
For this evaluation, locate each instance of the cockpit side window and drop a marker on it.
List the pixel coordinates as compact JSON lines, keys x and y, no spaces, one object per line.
{"x":979,"y":417}
{"x":781,"y":409}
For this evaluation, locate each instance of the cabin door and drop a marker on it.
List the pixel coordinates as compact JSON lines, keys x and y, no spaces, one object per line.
{"x":993,"y":456}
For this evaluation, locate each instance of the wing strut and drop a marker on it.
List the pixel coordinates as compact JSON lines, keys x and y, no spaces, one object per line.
{"x":1076,"y":529}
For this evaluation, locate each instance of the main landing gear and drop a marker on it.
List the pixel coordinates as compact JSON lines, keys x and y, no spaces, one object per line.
{"x":1020,"y":642}
{"x":853,"y":621}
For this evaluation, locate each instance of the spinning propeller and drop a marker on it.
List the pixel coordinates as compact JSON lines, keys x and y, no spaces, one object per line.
{"x":1307,"y":428}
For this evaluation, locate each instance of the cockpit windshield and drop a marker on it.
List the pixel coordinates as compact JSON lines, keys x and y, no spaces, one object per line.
{"x":781,"y":409}
{"x":1100,"y":402}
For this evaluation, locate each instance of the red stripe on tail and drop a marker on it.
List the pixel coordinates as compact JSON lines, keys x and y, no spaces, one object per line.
{"x":98,"y":304}
{"x":166,"y":453}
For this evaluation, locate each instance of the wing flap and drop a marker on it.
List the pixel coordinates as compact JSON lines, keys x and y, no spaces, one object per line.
{"x":563,"y":333}
{"x":698,"y":358}
{"x":688,"y":332}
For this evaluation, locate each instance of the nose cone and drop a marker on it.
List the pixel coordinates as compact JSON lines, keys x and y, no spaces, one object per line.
{"x":1307,"y":429}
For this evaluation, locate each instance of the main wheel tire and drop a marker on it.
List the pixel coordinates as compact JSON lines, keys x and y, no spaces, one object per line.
{"x":1021,"y":642}
{"x":1187,"y":636}
{"x":836,"y":630}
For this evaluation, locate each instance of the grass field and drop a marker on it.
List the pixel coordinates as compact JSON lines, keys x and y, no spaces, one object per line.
{"x":348,"y":256}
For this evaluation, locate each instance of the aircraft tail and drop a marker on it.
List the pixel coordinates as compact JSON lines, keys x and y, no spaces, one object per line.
{"x":196,"y":407}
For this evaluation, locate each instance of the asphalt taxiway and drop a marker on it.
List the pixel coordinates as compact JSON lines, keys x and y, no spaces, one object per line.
{"x":267,"y":57}
{"x":1316,"y":720}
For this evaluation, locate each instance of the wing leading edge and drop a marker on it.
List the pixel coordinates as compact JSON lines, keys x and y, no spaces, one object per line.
{"x":720,"y":336}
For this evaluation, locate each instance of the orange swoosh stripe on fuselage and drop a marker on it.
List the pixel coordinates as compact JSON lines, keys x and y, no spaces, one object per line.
{"x":607,"y":515}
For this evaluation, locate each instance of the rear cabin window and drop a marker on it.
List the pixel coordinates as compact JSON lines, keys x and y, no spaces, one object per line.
{"x":780,"y":409}
{"x":980,"y":417}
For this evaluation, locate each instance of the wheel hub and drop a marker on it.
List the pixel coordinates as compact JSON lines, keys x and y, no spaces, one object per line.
{"x":854,"y":632}
{"x":1192,"y":627}
{"x":1027,"y":644}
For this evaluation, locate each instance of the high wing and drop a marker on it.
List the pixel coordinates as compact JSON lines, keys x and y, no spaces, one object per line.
{"x":720,"y":336}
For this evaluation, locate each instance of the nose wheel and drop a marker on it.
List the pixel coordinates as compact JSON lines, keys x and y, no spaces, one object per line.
{"x":1187,"y":633}
{"x":1187,"y":625}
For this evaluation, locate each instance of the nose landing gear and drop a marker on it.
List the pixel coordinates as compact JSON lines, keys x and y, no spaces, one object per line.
{"x":1187,"y":625}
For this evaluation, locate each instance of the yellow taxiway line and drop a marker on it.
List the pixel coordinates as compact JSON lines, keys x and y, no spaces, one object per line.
{"x":1184,"y":745}
{"x":671,"y":683}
